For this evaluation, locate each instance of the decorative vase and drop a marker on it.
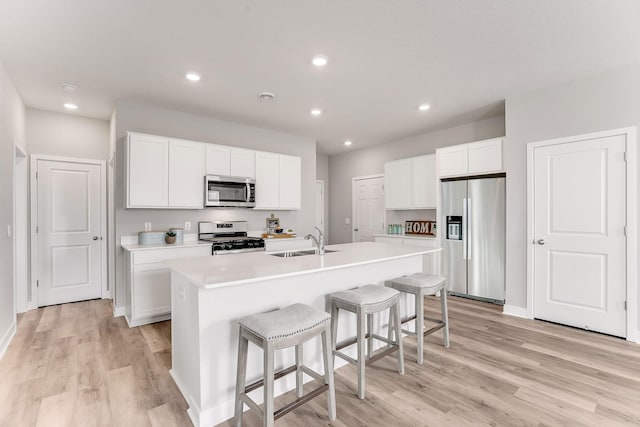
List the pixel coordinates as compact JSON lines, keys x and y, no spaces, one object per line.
{"x":170,"y":239}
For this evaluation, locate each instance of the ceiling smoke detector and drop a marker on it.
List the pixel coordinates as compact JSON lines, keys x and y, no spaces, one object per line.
{"x":266,"y":96}
{"x":68,"y":88}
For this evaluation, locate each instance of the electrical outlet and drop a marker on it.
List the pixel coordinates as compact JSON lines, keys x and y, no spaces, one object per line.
{"x":347,"y":221}
{"x":187,"y":226}
{"x":147,"y":226}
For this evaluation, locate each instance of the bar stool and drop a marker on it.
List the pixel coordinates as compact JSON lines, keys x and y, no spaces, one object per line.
{"x":288,"y":327}
{"x":366,"y":301}
{"x":421,"y":285}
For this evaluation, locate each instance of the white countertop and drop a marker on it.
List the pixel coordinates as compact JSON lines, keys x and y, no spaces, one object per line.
{"x":405,"y":236}
{"x":187,"y":244}
{"x":235,"y":269}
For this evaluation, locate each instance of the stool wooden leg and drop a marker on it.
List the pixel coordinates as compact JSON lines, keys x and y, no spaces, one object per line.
{"x":299,"y":374}
{"x":445,"y":317}
{"x":268,"y":384}
{"x":370,"y":333}
{"x":398,"y":327}
{"x":243,"y":346}
{"x":361,"y":353}
{"x":420,"y":327}
{"x":391,"y":327}
{"x":328,"y":373}
{"x":334,"y":326}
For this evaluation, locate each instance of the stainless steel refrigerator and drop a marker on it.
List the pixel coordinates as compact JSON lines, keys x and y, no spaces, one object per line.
{"x":473,"y":236}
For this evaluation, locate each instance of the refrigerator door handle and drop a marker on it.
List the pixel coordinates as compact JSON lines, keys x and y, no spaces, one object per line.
{"x":464,"y":229}
{"x":467,"y":236}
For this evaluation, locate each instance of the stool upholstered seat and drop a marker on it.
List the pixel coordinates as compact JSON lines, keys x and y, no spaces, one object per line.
{"x":428,"y":283}
{"x":282,"y":324}
{"x":364,"y":295}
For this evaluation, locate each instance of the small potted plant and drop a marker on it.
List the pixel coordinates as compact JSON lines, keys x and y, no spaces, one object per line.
{"x":170,"y":237}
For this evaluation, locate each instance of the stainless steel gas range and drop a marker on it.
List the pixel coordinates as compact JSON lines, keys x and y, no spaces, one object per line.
{"x":228,"y":237}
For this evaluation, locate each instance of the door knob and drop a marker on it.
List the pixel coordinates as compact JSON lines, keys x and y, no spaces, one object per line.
{"x":94,"y":238}
{"x":540,"y":241}
{"x":355,"y":229}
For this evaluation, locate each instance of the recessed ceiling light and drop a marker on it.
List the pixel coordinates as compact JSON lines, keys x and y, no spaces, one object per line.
{"x":194,"y":77}
{"x":67,"y":87}
{"x":316,"y":112}
{"x":70,"y":106}
{"x":266,"y":96}
{"x":320,"y":60}
{"x":347,"y":143}
{"x":424,"y":107}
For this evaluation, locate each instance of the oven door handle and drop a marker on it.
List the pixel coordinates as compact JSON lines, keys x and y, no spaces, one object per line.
{"x":248,"y":198}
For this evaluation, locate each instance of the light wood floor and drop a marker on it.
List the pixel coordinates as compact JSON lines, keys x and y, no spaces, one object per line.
{"x":75,"y":365}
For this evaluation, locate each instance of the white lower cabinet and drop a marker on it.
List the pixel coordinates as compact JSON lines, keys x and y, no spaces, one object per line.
{"x":148,"y":284}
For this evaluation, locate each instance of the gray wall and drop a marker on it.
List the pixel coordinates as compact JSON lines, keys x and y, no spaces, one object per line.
{"x":605,"y":101}
{"x":370,"y":161}
{"x":322,"y":174}
{"x":67,"y":135}
{"x":159,"y":121}
{"x":12,"y":127}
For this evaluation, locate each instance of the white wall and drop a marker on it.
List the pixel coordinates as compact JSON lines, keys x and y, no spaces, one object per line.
{"x":605,"y":101}
{"x":148,"y":119}
{"x":322,"y":174}
{"x":370,"y":161}
{"x":67,"y":135}
{"x":12,"y":130}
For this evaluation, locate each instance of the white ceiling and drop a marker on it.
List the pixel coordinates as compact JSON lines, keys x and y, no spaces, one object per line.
{"x":464,"y":57}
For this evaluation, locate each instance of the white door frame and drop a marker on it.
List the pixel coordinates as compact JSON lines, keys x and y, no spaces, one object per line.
{"x":33,"y":203}
{"x":324,"y":219}
{"x":353,"y":200}
{"x":20,"y":177}
{"x":631,"y":199}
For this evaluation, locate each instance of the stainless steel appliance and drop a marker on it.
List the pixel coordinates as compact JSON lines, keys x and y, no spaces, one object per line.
{"x":229,"y":191}
{"x":228,"y":237}
{"x":473,"y":216}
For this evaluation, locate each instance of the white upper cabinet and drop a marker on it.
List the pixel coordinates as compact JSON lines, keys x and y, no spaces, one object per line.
{"x":218,"y":160}
{"x":164,"y":172}
{"x":186,"y":174}
{"x":278,"y":181}
{"x":423,"y":174}
{"x":410,"y":183}
{"x":397,"y":184}
{"x":470,"y":159}
{"x":290,"y":185}
{"x":242,"y":163}
{"x":485,"y":156}
{"x":267,"y":180}
{"x":147,"y":171}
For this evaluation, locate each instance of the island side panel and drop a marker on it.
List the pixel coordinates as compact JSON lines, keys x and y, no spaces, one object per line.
{"x":220,"y":308}
{"x":185,"y":342}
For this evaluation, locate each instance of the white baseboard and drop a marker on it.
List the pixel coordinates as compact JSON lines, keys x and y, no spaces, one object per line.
{"x":6,"y":339}
{"x":118,"y":311}
{"x":515,"y":311}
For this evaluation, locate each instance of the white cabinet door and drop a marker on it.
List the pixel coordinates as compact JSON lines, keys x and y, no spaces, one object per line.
{"x":243,"y":163}
{"x":453,"y":160}
{"x":397,"y":184}
{"x":147,"y":171}
{"x":218,"y":160}
{"x":424,"y":182}
{"x":152,"y":290}
{"x":290,"y":185}
{"x":485,"y":156}
{"x":186,"y":174}
{"x":267,"y":180}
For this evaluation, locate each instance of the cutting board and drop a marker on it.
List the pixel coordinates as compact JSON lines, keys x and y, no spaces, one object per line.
{"x":279,"y":236}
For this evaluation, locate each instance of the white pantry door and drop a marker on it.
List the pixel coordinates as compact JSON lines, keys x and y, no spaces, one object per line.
{"x":579,"y":229}
{"x":69,"y":227}
{"x":368,"y":208}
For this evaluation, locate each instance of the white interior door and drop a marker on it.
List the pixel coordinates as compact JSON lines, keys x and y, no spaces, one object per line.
{"x":69,"y":262}
{"x":368,"y":208}
{"x":579,"y":229}
{"x":320,"y":206}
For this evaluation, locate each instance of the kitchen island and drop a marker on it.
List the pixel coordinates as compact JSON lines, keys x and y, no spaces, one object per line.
{"x":209,"y":295}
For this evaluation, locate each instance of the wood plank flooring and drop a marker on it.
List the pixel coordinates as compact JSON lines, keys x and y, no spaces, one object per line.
{"x":75,"y":365}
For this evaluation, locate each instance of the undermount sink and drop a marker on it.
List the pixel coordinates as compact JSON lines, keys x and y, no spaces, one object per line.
{"x":290,"y":254}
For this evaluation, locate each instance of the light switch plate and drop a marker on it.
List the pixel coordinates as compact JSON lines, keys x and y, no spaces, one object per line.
{"x":147,"y":226}
{"x":9,"y":230}
{"x":187,"y":226}
{"x":347,"y":221}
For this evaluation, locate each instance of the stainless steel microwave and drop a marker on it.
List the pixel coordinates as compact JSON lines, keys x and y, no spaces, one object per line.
{"x":229,"y":191}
